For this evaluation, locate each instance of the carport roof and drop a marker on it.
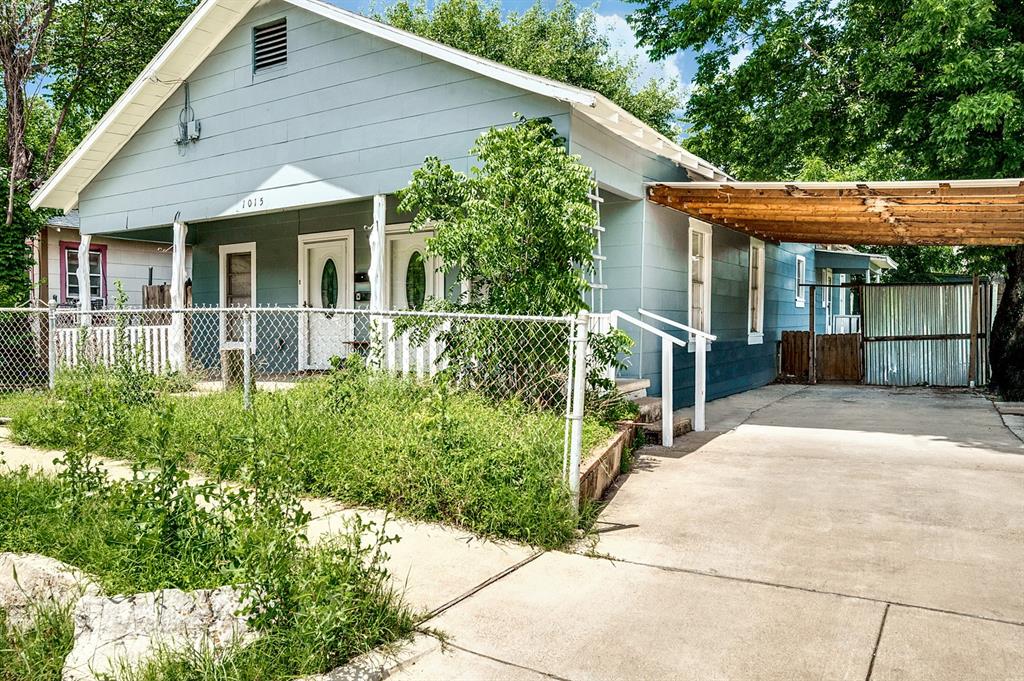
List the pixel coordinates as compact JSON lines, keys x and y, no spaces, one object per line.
{"x":954,"y":212}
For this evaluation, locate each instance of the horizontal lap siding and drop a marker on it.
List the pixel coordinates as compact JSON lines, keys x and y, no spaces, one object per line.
{"x":733,"y":364}
{"x":349,"y":116}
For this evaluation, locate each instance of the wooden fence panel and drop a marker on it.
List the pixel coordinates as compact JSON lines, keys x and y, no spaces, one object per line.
{"x":839,"y":357}
{"x":796,"y":354}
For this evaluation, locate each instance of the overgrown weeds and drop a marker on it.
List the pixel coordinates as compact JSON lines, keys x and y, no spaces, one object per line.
{"x":421,"y":449}
{"x":316,"y":607}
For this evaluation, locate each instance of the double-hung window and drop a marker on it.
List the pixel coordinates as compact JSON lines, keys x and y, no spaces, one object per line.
{"x":801,"y":279}
{"x":755,"y":293}
{"x":97,"y":275}
{"x":700,"y":276}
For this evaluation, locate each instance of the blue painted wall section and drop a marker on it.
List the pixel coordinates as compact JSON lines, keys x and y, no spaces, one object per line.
{"x":733,"y":364}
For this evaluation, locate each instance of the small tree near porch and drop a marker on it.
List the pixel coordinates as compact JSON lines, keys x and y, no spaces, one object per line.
{"x":517,"y":228}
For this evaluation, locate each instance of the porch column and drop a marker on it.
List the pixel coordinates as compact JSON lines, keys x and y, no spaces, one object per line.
{"x":176,"y":342}
{"x":84,"y":291}
{"x":376,"y":272}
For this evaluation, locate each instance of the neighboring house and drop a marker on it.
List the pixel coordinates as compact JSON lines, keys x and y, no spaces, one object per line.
{"x":839,"y":265}
{"x":302,"y":120}
{"x":133,"y":263}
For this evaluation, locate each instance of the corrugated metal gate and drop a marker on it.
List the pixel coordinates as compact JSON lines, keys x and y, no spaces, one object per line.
{"x":921,"y":334}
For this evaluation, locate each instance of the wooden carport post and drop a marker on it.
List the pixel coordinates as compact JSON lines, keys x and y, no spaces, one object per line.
{"x":972,"y":366}
{"x":812,"y":344}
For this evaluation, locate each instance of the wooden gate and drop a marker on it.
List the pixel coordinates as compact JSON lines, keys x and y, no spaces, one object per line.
{"x":838,"y":357}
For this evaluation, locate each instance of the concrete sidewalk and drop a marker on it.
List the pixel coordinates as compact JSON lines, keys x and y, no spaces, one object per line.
{"x":432,"y":565}
{"x":817,"y":533}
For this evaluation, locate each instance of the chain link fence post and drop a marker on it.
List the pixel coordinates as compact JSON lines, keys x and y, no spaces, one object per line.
{"x":579,"y":385}
{"x":51,"y":343}
{"x":247,"y":358}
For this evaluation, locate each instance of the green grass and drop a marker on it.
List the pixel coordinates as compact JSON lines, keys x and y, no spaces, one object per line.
{"x":14,"y":403}
{"x":332,"y":601}
{"x":416,"y":448}
{"x":36,"y":653}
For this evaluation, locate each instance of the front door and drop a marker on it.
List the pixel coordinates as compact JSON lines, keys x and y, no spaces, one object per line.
{"x":325,"y":284}
{"x":412,"y":275}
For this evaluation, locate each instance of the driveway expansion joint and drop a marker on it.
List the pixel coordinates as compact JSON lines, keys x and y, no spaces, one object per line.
{"x":807,"y":589}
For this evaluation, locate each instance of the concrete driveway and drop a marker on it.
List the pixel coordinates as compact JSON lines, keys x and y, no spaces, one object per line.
{"x":821,"y":533}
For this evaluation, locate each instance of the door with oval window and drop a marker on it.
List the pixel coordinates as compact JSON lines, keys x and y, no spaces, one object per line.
{"x":411,"y":276}
{"x":325,"y":283}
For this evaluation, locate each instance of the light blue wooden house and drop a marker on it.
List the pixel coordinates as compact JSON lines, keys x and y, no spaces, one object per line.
{"x":271,"y":137}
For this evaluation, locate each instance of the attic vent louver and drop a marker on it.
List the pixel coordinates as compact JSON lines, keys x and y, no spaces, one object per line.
{"x":269,"y":45}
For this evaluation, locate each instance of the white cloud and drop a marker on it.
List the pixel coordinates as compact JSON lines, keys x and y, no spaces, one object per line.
{"x":738,"y":58}
{"x":622,"y":42}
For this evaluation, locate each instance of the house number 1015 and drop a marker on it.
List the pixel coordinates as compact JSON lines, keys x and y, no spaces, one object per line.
{"x":252,"y":202}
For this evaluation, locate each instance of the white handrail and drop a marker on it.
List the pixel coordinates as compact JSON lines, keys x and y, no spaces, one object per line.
{"x":700,"y":340}
{"x":617,"y":314}
{"x":688,"y":329}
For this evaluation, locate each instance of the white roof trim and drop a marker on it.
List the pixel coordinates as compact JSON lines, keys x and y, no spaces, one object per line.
{"x":202,"y":31}
{"x":212,"y":20}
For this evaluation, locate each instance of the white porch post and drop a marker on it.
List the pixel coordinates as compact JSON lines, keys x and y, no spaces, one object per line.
{"x":382,"y":353}
{"x":176,"y":356}
{"x":376,"y":272}
{"x":84,"y":291}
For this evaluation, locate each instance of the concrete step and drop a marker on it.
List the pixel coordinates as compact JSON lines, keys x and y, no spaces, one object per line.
{"x":633,"y":388}
{"x":650,"y":409}
{"x":681,"y":425}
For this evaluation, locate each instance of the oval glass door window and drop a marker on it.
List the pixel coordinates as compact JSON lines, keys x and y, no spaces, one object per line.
{"x":416,"y":281}
{"x":329,"y":284}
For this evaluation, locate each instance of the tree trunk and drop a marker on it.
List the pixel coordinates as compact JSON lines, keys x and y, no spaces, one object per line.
{"x":1006,"y":349}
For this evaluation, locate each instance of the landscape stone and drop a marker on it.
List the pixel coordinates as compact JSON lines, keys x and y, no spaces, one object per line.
{"x":30,"y":581}
{"x":122,"y":632}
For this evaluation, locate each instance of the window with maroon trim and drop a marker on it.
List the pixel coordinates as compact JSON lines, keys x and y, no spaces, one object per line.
{"x":69,"y":272}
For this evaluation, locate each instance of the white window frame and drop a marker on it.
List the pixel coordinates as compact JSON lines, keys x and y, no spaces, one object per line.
{"x":71,"y":275}
{"x":801,"y":278}
{"x":756,"y":249}
{"x":707,"y":231}
{"x":223,"y":252}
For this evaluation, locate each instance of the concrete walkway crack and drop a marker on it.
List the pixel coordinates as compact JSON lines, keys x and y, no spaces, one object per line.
{"x":878,"y":641}
{"x":480,"y":587}
{"x":507,"y":663}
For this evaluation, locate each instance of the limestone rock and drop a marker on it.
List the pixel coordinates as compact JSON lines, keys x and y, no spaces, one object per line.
{"x":29,"y":581}
{"x":113,"y":634}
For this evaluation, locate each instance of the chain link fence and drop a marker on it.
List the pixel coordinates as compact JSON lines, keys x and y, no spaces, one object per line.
{"x":526,"y":359}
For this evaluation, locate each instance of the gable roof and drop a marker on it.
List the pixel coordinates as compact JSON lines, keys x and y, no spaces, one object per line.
{"x":210,"y":23}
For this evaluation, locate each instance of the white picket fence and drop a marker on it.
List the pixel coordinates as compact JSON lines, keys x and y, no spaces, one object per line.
{"x":98,"y":343}
{"x":403,"y":356}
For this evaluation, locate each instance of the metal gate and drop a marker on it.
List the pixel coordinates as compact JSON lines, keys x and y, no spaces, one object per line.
{"x":926,"y":334}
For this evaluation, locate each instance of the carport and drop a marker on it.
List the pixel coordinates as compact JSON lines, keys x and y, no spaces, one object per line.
{"x":907,"y":335}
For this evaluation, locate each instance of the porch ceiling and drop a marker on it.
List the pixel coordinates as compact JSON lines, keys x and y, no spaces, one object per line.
{"x":956,"y":212}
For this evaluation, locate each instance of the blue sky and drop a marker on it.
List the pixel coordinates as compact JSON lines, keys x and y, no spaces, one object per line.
{"x":611,"y":19}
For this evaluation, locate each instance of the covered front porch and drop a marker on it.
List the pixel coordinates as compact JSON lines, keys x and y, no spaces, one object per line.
{"x":357,"y":256}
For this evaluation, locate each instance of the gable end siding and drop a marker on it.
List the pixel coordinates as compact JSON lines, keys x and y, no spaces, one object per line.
{"x":348,"y":116}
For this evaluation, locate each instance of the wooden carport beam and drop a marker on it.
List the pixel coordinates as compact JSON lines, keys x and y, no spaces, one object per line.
{"x":982,"y":212}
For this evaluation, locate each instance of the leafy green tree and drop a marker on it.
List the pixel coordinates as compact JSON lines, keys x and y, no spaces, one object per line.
{"x":862,"y":89}
{"x":64,"y":62}
{"x":563,"y":44}
{"x":517,"y":228}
